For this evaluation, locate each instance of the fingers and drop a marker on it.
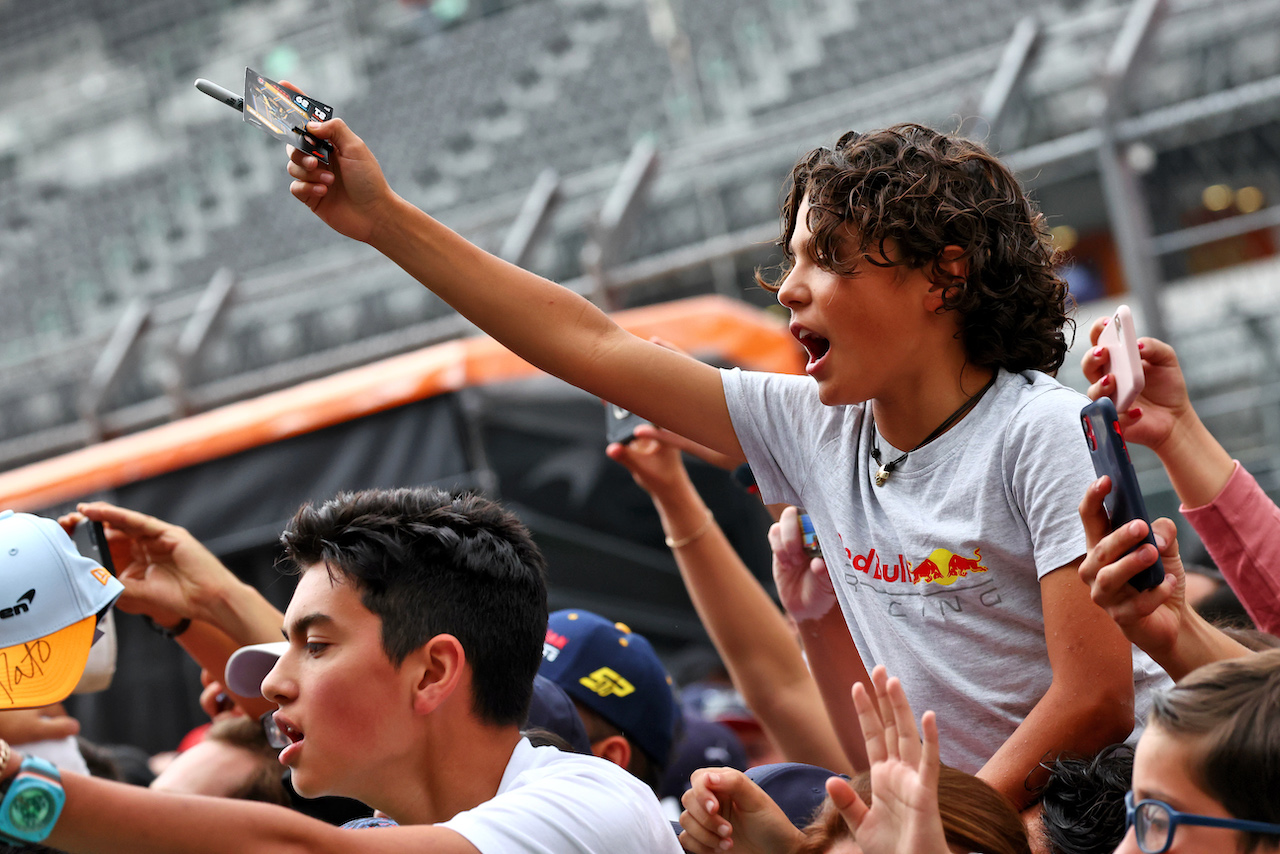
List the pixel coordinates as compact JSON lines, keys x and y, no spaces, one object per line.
{"x":702,"y":820}
{"x":1166,"y":533}
{"x":909,"y":746}
{"x":888,"y":720}
{"x":930,"y":754}
{"x":1114,"y":559}
{"x":870,"y":723}
{"x":131,"y":522}
{"x":1093,"y":513}
{"x":847,"y":802}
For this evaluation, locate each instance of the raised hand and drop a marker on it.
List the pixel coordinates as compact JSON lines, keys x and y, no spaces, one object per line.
{"x":1152,"y":619}
{"x":653,"y":462}
{"x":168,"y":575}
{"x":350,"y":195}
{"x":1163,"y":403}
{"x":803,"y":583}
{"x":724,"y":809}
{"x":903,"y":817}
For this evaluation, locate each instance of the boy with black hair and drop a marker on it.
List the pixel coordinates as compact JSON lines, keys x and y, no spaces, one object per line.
{"x":934,"y":451}
{"x":413,"y":638}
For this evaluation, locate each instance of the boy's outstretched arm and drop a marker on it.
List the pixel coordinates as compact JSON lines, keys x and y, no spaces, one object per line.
{"x":549,"y":326}
{"x":104,"y":817}
{"x":1089,"y":704}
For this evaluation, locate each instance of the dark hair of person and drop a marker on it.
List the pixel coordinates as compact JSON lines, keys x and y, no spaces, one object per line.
{"x":429,"y":563}
{"x":900,"y":196}
{"x":1082,"y":804}
{"x":541,"y":737}
{"x":975,"y":817}
{"x":265,"y":783}
{"x":1231,"y":710}
{"x":642,"y":766}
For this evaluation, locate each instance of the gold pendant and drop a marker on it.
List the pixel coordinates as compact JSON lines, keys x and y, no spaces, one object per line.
{"x":882,"y":474}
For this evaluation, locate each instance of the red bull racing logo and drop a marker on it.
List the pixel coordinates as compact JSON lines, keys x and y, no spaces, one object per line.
{"x":944,"y":567}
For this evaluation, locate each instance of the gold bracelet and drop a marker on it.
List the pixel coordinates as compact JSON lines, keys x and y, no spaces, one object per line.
{"x":5,"y":751}
{"x":684,"y":541}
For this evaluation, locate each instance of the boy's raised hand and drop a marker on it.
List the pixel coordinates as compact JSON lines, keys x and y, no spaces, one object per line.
{"x":1163,"y":402}
{"x":904,"y":816}
{"x":654,"y":464}
{"x":351,"y":194}
{"x":803,"y":583}
{"x":1153,"y":619}
{"x":167,"y":573}
{"x":724,"y":809}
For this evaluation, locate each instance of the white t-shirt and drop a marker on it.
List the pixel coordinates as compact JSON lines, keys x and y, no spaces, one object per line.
{"x":552,"y":802}
{"x":938,"y":571}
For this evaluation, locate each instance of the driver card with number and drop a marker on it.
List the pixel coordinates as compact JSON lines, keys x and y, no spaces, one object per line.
{"x":284,"y":112}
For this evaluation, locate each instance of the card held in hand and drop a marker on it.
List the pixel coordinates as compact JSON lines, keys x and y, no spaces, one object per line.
{"x":284,"y":112}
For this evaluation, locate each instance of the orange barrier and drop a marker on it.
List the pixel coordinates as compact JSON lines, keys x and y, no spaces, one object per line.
{"x":733,"y":330}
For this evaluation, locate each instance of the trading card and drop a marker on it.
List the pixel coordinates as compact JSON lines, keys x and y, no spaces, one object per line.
{"x":284,"y":113}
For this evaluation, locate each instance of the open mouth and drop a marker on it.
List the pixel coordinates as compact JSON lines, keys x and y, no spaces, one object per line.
{"x":280,"y":732}
{"x":815,"y":345}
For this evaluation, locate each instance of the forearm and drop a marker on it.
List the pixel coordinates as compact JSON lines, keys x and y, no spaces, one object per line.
{"x":1077,"y":720}
{"x":836,"y":666}
{"x":102,"y":817}
{"x":750,"y":633}
{"x":240,"y":612}
{"x":1198,"y":643}
{"x":560,"y":331}
{"x":1197,"y":464}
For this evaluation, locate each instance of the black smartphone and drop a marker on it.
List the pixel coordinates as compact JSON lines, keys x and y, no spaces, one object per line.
{"x":91,"y":541}
{"x":619,"y":424}
{"x":1110,"y":456}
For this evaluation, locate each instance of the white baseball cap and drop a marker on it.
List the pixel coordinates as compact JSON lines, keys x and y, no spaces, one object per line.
{"x":50,"y":599}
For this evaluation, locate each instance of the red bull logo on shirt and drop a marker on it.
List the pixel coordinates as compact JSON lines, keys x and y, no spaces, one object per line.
{"x":945,"y":567}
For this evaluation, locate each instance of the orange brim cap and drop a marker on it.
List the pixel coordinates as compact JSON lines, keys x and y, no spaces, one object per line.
{"x":45,"y":670}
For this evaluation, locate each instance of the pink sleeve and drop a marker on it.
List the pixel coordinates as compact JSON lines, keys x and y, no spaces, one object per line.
{"x":1241,"y":530}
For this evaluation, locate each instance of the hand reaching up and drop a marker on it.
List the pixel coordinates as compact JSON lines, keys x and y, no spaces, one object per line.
{"x":903,"y":817}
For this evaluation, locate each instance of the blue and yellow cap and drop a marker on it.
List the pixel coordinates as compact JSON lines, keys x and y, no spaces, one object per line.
{"x":614,"y":672}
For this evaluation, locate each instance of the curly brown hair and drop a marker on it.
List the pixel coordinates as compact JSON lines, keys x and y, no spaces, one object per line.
{"x":924,"y":191}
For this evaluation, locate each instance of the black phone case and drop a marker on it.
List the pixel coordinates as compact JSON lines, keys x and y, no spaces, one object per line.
{"x":91,"y":541}
{"x":1110,"y":456}
{"x":619,"y":424}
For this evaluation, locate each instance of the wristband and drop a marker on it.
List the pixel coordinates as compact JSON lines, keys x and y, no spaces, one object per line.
{"x":181,"y":626}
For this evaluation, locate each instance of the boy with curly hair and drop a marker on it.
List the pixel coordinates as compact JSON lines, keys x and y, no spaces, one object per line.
{"x":938,"y":458}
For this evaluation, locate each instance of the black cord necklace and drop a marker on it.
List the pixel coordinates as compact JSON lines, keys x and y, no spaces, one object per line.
{"x":885,"y":469}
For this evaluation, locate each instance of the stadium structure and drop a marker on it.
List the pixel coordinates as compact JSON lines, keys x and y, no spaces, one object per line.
{"x":154,"y":271}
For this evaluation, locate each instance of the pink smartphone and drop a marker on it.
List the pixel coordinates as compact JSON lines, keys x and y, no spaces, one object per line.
{"x":1121,"y":341}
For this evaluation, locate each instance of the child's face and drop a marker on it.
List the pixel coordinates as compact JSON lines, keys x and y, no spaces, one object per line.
{"x":341,"y":700}
{"x":867,"y":335}
{"x":1163,"y":770}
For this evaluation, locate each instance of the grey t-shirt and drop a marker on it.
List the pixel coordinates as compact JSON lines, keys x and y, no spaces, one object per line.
{"x":937,"y":571}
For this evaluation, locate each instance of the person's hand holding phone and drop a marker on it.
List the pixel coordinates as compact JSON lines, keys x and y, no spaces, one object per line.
{"x":167,"y":573}
{"x":804,"y":586}
{"x":1163,"y":403}
{"x":1153,"y":619}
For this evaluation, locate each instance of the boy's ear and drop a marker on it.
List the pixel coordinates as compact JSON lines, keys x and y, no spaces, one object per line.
{"x":614,"y":748}
{"x":949,"y":268}
{"x":438,"y":668}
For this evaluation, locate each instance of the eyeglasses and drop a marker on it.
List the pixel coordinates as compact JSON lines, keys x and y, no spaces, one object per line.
{"x":275,"y":737}
{"x":1154,"y":822}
